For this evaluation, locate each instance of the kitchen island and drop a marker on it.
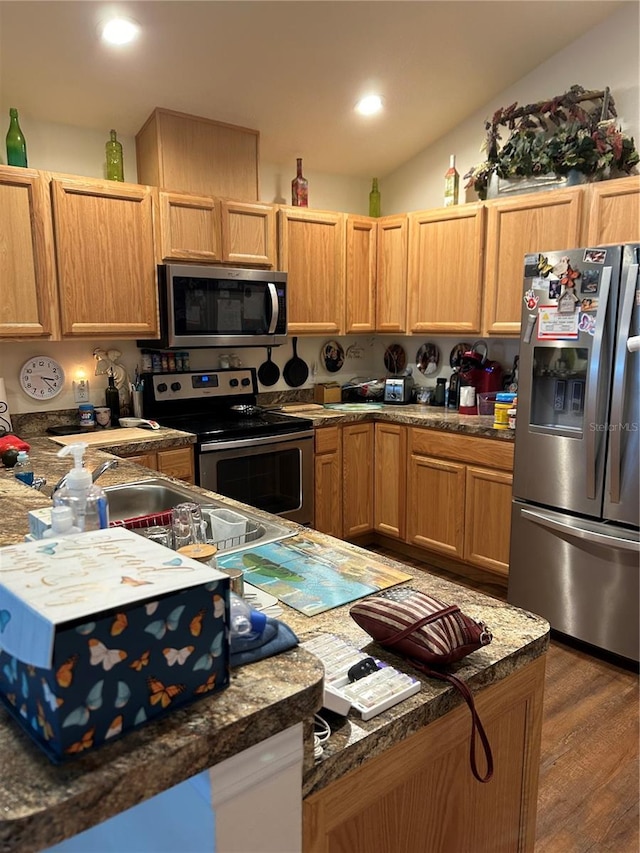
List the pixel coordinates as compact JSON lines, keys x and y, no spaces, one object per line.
{"x":414,"y":755}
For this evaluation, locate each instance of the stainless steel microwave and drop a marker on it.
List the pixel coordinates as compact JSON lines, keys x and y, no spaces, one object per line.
{"x":207,"y":306}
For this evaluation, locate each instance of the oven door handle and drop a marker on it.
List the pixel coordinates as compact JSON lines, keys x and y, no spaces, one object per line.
{"x":264,"y":441}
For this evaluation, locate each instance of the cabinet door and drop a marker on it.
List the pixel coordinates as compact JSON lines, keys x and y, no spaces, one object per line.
{"x":528,"y":223}
{"x":613,"y":212}
{"x":147,"y":460}
{"x":328,"y":481}
{"x":390,"y":479}
{"x":488,"y":519}
{"x":189,"y":228}
{"x":391,"y":286}
{"x":361,"y":274}
{"x":177,"y":463}
{"x":248,"y":233}
{"x":445,"y":269}
{"x":435,"y":505}
{"x":105,"y":256}
{"x":27,"y":266}
{"x":357,"y":479}
{"x":312,"y":252}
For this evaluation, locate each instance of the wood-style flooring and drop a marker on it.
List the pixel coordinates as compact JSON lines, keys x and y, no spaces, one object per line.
{"x":589,"y":790}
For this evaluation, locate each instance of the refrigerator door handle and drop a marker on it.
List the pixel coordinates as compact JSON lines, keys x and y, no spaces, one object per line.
{"x":580,"y":533}
{"x":619,"y":371}
{"x":591,"y":410}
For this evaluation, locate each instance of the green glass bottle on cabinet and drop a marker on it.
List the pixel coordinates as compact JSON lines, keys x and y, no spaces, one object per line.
{"x":16,"y":143}
{"x":115,"y":163}
{"x":374,"y":199}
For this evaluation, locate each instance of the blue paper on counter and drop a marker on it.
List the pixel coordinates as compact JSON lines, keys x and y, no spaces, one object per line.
{"x":276,"y":637}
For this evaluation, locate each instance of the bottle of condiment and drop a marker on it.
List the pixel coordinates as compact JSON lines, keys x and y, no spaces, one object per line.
{"x":451,"y":183}
{"x":374,"y":199}
{"x":115,"y":162}
{"x":299,"y":188}
{"x":440,"y":391}
{"x":87,"y":415}
{"x":112,"y":401}
{"x":23,"y":469}
{"x":16,"y":143}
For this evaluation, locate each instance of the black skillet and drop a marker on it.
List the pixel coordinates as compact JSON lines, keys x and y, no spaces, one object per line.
{"x":268,"y":372}
{"x":295,"y":371}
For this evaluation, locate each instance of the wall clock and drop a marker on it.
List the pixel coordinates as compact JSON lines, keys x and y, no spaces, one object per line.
{"x":41,"y":377}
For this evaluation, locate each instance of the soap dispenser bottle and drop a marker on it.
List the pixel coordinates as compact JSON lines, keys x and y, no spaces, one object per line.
{"x":88,"y":502}
{"x":61,"y":523}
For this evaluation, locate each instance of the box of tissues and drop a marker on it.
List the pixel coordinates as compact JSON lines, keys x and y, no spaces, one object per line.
{"x":104,"y":631}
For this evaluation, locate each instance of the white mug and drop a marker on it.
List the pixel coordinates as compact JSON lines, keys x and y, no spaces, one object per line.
{"x":103,"y":416}
{"x":467,"y":396}
{"x":223,"y":360}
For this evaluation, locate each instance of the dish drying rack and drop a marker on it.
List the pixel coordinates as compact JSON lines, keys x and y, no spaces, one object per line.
{"x":253,"y":531}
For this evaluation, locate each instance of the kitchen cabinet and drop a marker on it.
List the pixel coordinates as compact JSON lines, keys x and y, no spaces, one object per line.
{"x":515,"y":227}
{"x":27,"y":264}
{"x":390,"y":506}
{"x":459,"y":493}
{"x":104,"y":249}
{"x":613,"y":212}
{"x":445,"y":270}
{"x":175,"y":462}
{"x":357,"y":479}
{"x":361,"y":258}
{"x":312,"y":252}
{"x":391,"y":290}
{"x":328,"y":481}
{"x":209,"y":230}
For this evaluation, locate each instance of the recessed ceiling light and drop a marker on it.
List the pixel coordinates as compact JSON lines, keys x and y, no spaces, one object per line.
{"x":120,"y":30}
{"x":370,"y":105}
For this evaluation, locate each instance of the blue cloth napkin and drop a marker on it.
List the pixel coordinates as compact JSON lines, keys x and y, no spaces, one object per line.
{"x":275,"y":638}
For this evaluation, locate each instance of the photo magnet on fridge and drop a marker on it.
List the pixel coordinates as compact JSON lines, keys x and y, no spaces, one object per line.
{"x":590,"y":281}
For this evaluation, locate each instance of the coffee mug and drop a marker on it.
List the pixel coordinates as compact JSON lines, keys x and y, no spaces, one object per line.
{"x":467,"y":396}
{"x":103,"y":416}
{"x":223,"y":361}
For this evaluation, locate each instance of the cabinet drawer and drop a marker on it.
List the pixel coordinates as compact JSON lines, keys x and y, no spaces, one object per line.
{"x":327,"y":440}
{"x":462,"y":448}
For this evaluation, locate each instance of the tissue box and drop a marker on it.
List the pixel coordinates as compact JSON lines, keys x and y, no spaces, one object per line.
{"x":103,"y":632}
{"x":327,"y":392}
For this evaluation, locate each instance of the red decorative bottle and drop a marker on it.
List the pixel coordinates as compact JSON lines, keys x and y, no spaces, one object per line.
{"x":299,"y":188}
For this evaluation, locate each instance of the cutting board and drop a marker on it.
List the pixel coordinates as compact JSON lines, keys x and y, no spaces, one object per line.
{"x":301,"y":407}
{"x":106,"y":437}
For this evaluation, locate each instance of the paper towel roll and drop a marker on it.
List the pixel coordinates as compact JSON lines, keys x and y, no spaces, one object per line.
{"x":5,"y":417}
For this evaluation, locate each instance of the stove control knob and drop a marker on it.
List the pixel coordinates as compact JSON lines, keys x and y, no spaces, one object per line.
{"x":233,"y":383}
{"x":161,"y":388}
{"x":245,"y":382}
{"x":176,"y":386}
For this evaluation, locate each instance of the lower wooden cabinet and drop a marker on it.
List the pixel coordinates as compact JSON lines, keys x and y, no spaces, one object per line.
{"x":435,"y":498}
{"x":487,"y":519}
{"x":176,"y":462}
{"x":328,"y":481}
{"x":390,"y":480}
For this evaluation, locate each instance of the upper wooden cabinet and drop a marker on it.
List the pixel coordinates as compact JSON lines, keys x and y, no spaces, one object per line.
{"x":361,"y":235}
{"x":27,"y":266}
{"x":209,"y":230}
{"x":104,"y":245}
{"x":445,"y":269}
{"x":312,"y":252}
{"x":517,"y":226}
{"x":391,"y":292}
{"x":613,"y":212}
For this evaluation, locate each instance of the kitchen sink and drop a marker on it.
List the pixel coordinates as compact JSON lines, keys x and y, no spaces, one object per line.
{"x":149,"y":497}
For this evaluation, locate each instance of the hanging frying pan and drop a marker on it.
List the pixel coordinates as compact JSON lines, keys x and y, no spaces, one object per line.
{"x":295,"y":371}
{"x":268,"y":372}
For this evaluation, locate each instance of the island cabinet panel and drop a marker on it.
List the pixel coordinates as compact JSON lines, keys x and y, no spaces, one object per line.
{"x":515,"y":227}
{"x":391,"y":287}
{"x":104,"y":239}
{"x":420,"y":795}
{"x":328,"y":481}
{"x":390,"y":479}
{"x":27,"y":264}
{"x":613,"y":212}
{"x":357,"y":478}
{"x":189,"y":228}
{"x":312,"y":252}
{"x":361,"y":252}
{"x":445,"y":269}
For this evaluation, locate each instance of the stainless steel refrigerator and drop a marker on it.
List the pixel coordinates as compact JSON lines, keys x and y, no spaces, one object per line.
{"x":575,"y":553}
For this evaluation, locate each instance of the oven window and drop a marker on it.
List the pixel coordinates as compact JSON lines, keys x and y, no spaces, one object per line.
{"x":269,"y":481}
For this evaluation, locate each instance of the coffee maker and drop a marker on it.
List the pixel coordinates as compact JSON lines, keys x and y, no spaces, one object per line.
{"x":479,"y":373}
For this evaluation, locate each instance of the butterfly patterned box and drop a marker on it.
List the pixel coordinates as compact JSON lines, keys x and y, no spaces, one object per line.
{"x":104,"y":631}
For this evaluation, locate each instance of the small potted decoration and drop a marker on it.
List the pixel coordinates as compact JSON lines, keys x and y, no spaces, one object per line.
{"x":570,"y":139}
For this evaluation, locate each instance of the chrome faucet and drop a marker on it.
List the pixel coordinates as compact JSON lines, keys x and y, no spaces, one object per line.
{"x":97,"y":472}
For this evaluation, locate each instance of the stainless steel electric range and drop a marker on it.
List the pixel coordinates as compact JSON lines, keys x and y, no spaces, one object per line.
{"x":252,"y":454}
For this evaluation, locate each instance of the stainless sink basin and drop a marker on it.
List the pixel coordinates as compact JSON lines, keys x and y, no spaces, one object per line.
{"x":148,"y":497}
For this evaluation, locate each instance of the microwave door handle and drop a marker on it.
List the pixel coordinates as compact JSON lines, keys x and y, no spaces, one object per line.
{"x":275,"y":310}
{"x":591,"y":410}
{"x":619,"y":375}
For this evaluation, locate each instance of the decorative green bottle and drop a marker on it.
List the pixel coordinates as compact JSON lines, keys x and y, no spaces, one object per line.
{"x":374,"y":199}
{"x":115,"y":163}
{"x":16,"y":143}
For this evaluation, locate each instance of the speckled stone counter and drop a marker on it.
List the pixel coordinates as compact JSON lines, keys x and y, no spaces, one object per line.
{"x":41,"y":804}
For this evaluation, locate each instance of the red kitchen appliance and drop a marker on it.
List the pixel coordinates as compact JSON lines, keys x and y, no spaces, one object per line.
{"x":478,"y":371}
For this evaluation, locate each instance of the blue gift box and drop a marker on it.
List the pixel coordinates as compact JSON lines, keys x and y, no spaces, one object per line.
{"x":103,"y":632}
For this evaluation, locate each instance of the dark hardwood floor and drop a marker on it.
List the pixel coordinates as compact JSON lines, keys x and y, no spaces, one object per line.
{"x":589,"y":790}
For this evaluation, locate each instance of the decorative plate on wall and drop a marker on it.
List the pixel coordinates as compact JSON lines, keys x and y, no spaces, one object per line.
{"x":332,"y":356}
{"x":428,"y":359}
{"x":395,"y":359}
{"x":455,"y":356}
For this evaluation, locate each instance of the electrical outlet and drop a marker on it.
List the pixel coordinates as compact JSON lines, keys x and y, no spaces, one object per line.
{"x":81,"y":391}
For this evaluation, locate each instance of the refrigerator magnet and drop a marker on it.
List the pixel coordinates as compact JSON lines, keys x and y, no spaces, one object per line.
{"x":590,"y":281}
{"x":595,"y":256}
{"x":554,"y":288}
{"x":589,"y":304}
{"x":531,"y":300}
{"x":555,"y":326}
{"x":587,"y":324}
{"x":567,"y":301}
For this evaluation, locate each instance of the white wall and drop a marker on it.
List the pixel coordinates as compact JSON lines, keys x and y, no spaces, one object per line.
{"x":608,"y":55}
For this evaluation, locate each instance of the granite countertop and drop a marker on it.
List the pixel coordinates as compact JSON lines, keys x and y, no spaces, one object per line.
{"x":42,"y":804}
